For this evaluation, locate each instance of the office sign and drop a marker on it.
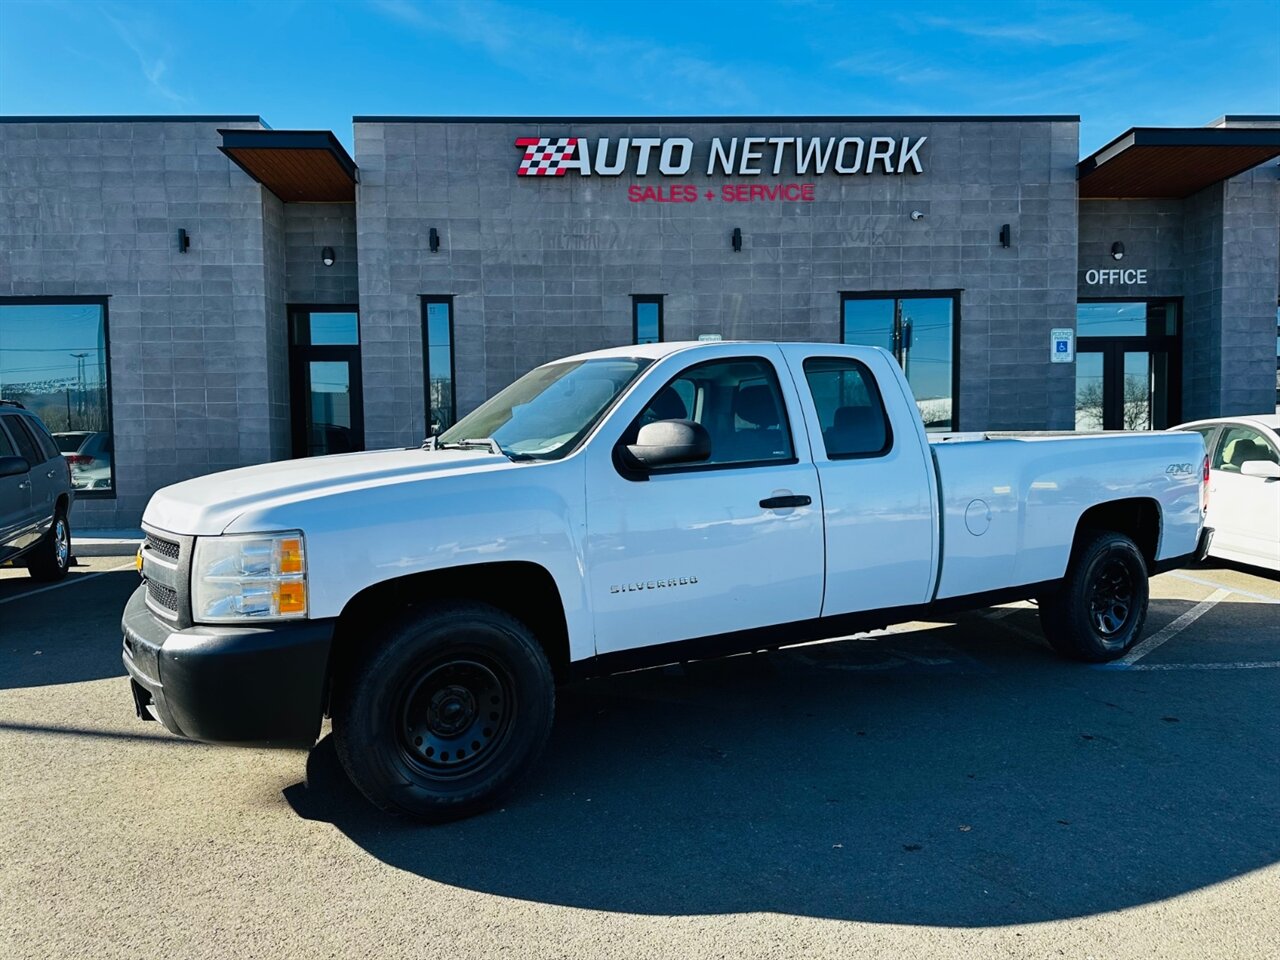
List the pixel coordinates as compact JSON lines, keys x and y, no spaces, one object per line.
{"x":1114,"y":276}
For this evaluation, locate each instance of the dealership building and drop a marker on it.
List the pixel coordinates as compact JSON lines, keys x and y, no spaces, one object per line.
{"x":180,"y":295}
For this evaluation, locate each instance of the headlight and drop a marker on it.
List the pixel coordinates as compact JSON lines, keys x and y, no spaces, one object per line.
{"x":255,"y":577}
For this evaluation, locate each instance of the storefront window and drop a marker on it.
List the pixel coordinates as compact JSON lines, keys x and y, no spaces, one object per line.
{"x":437,"y":348}
{"x":919,"y":331}
{"x":53,"y":360}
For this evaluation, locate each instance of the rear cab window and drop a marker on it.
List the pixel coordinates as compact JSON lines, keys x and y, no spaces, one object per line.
{"x":850,"y":410}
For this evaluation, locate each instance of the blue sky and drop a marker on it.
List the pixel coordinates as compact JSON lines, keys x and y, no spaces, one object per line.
{"x":310,"y":65}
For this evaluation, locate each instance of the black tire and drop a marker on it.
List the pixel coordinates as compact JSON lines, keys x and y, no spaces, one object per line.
{"x":1098,"y":611}
{"x":50,"y":559}
{"x":446,"y":712}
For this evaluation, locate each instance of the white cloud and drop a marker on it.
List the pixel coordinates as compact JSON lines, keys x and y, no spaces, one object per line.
{"x":535,"y":43}
{"x":154,"y":65}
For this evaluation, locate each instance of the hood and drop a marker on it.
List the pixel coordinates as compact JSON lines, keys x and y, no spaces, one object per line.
{"x":207,"y":506}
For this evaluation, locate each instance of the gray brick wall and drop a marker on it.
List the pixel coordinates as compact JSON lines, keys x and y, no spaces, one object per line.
{"x":93,"y":208}
{"x":541,"y":268}
{"x":308,"y":229}
{"x":1152,"y":234}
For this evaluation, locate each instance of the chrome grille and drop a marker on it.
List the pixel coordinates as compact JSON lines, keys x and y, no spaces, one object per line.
{"x":163,"y":548}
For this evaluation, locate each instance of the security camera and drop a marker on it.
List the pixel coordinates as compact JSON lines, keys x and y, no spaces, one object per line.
{"x":917,"y":214}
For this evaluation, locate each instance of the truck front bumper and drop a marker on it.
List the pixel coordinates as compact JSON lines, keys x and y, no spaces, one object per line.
{"x":249,"y":685}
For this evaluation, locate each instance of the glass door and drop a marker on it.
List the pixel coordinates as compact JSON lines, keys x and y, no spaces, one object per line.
{"x":1127,"y":365}
{"x":919,"y":330}
{"x":327,"y":409}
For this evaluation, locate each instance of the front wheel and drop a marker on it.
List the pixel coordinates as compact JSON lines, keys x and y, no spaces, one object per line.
{"x":447,"y":712}
{"x":1097,"y":612}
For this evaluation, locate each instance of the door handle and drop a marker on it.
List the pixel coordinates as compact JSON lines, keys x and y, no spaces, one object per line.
{"x":24,"y":485}
{"x":781,"y":503}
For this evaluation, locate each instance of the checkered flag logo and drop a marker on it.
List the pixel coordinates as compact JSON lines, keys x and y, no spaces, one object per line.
{"x":545,"y":156}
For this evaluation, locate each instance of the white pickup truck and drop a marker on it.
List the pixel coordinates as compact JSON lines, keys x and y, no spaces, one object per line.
{"x":630,"y":507}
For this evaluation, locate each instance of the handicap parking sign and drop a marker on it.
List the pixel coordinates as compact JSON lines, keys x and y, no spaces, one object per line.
{"x":1062,"y":345}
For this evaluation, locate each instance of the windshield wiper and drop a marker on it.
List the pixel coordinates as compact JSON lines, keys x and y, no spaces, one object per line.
{"x":483,"y":443}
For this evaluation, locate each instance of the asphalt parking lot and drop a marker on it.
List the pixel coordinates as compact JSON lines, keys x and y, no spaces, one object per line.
{"x":939,"y":790}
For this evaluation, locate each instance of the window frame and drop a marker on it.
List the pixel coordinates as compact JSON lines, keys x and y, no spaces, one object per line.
{"x":104,"y":303}
{"x":709,"y":467}
{"x":954,"y":294}
{"x":873,"y":390}
{"x":427,"y":300}
{"x":636,"y":300}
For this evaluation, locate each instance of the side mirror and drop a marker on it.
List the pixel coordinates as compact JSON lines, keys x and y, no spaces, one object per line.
{"x":1261,"y":468}
{"x":13,"y":466}
{"x":665,"y":443}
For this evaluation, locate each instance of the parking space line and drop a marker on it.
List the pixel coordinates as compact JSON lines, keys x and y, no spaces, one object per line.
{"x":1167,"y":633}
{"x":1210,"y":583}
{"x":1243,"y":665}
{"x":68,"y":582}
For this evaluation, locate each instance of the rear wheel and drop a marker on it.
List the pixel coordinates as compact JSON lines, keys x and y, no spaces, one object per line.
{"x":447,"y":712}
{"x":51,"y":558}
{"x":1098,"y":610}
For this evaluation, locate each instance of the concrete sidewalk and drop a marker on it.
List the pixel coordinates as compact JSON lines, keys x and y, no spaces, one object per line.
{"x":105,"y":543}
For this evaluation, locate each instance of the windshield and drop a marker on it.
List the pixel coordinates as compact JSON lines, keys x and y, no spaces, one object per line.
{"x":544,"y":414}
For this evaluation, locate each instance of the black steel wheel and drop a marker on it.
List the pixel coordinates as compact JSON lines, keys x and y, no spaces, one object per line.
{"x":1097,"y":611}
{"x":1111,"y":596}
{"x":445,"y":712}
{"x":455,"y":714}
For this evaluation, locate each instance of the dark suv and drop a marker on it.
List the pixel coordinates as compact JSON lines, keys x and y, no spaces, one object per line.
{"x":35,"y":495}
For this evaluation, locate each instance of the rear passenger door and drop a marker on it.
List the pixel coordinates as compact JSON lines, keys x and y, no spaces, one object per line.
{"x":876,"y":476}
{"x":17,"y":529}
{"x":46,"y":465}
{"x":696,"y":550}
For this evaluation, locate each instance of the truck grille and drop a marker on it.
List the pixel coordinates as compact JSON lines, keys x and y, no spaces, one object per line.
{"x":162,"y":597}
{"x":163,"y":548}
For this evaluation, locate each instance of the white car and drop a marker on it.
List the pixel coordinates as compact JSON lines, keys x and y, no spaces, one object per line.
{"x":1244,"y":487}
{"x":631,"y":507}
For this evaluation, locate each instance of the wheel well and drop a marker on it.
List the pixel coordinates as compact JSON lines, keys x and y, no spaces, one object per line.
{"x":61,"y":505}
{"x":1137,"y":518}
{"x":524,"y":590}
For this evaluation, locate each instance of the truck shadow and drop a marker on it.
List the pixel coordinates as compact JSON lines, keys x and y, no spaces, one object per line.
{"x":1013,"y":789}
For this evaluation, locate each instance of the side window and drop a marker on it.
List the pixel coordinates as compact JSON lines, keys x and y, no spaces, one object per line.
{"x":740,"y":404}
{"x":47,"y":446}
{"x":850,"y":411}
{"x":6,"y":447}
{"x":28,"y":449}
{"x":1238,"y":446}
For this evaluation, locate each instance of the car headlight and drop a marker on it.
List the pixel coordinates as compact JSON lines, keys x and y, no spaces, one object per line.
{"x":254,"y":577}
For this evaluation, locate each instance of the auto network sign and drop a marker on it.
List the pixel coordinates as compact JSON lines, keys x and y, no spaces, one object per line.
{"x":730,"y":157}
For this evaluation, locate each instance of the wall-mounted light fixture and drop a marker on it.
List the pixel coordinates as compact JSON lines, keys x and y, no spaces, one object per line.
{"x":184,"y":241}
{"x":326,"y":256}
{"x":433,"y":240}
{"x":736,"y":239}
{"x":1117,"y":251}
{"x":1006,"y":235}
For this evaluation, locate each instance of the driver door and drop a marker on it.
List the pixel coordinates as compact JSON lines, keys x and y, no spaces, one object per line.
{"x":701,"y":549}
